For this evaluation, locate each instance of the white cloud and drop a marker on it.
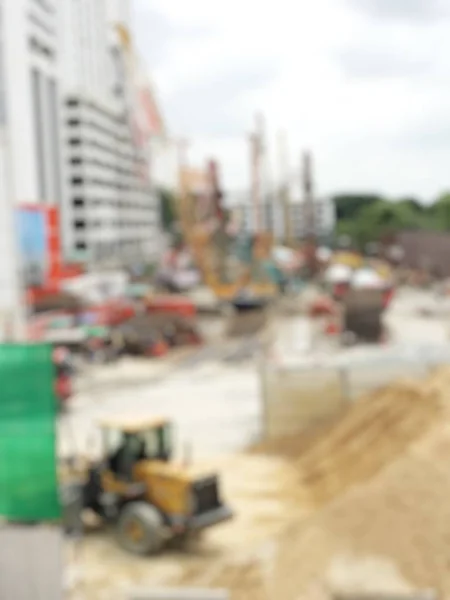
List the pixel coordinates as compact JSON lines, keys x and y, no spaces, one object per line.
{"x":356,"y":83}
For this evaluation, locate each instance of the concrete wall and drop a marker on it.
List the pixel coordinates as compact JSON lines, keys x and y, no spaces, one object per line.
{"x":297,"y":397}
{"x":295,"y":400}
{"x":31,"y":563}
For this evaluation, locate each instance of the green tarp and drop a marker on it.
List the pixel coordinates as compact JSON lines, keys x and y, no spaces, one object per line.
{"x":28,"y":482}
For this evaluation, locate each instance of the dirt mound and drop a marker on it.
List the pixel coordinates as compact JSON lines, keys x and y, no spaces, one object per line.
{"x":401,"y":516}
{"x":370,"y":435}
{"x":397,"y":516}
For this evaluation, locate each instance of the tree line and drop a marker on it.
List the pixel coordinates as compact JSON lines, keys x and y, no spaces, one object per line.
{"x":366,"y":218}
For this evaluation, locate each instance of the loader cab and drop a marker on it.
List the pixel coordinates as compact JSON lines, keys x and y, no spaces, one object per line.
{"x":126,"y":443}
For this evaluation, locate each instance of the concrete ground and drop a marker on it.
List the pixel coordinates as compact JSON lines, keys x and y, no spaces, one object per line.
{"x":214,"y":403}
{"x":213,"y":393}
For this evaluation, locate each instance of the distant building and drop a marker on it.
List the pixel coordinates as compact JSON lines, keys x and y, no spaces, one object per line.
{"x":424,"y":250}
{"x":272,"y":218}
{"x":324,"y":218}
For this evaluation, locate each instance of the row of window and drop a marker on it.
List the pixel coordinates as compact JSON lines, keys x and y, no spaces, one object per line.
{"x":46,"y":6}
{"x":79,"y":181}
{"x":81,"y":224}
{"x":77,"y":122}
{"x":95,"y":162}
{"x":44,"y":27}
{"x":108,"y":248}
{"x":111,"y":117}
{"x":41,"y":47}
{"x":78,"y":142}
{"x":80,"y":202}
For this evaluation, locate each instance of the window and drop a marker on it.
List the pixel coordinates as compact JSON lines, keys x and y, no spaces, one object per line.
{"x":54,"y":137}
{"x":78,"y":201}
{"x":74,"y":122}
{"x":75,"y":142}
{"x":46,"y":6}
{"x":80,"y":245}
{"x":73,"y":102}
{"x":76,"y":160}
{"x":39,"y":23}
{"x":36,"y":85}
{"x":80,"y":224}
{"x":77,"y":180}
{"x":39,"y":47}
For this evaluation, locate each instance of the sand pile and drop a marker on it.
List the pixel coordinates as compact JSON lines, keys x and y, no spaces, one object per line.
{"x":383,"y":487}
{"x":403,"y":516}
{"x":370,"y":435}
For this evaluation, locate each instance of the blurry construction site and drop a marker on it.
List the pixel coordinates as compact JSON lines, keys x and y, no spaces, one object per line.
{"x":310,"y":381}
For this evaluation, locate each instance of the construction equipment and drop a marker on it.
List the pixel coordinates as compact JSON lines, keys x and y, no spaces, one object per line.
{"x":146,"y":497}
{"x":363,"y":309}
{"x":205,"y":233}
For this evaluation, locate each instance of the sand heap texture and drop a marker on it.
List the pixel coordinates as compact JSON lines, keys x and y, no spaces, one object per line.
{"x":379,"y":482}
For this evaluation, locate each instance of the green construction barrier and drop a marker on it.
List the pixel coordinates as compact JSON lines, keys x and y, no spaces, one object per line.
{"x":28,"y":481}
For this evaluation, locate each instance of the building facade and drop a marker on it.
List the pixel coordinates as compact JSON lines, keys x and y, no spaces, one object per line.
{"x":72,"y":97}
{"x":30,"y":137}
{"x":111,"y":212}
{"x":272,"y":218}
{"x":32,"y":94}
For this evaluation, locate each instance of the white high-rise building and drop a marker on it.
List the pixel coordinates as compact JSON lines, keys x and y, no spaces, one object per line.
{"x":32,"y":98}
{"x":111,"y":211}
{"x":30,"y":136}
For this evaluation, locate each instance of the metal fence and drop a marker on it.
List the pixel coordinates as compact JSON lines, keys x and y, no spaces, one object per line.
{"x":296,"y":397}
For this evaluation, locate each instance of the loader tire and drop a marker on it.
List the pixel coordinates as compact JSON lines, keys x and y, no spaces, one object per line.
{"x":140,"y":529}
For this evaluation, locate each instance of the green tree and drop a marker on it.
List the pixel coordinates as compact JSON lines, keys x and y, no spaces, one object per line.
{"x":439,"y":213}
{"x":379,"y":219}
{"x":167,"y":203}
{"x":349,"y":205}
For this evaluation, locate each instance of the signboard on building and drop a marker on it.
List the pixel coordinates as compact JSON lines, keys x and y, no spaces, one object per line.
{"x":39,"y":245}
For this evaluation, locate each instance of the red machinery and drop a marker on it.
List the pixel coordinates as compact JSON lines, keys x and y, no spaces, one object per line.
{"x":64,"y":373}
{"x":171,"y":305}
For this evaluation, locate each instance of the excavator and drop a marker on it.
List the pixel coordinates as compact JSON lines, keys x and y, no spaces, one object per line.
{"x":240,"y":280}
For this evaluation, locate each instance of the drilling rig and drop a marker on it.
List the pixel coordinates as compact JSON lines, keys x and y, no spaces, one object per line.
{"x":310,"y":218}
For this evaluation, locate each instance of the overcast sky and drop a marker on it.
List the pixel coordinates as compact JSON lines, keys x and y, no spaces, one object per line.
{"x":365,"y":84}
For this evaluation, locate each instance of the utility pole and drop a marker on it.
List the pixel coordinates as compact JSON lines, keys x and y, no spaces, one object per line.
{"x":308,"y":198}
{"x":256,"y":153}
{"x":283,"y":190}
{"x":183,"y":188}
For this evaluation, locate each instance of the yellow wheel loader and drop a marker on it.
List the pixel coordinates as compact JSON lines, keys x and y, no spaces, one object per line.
{"x":148,"y":499}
